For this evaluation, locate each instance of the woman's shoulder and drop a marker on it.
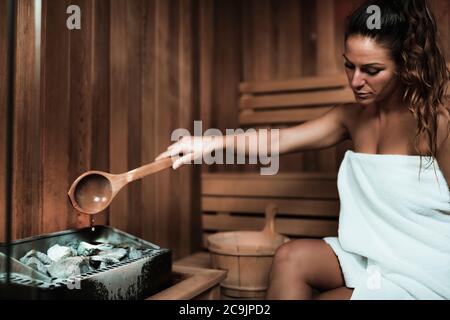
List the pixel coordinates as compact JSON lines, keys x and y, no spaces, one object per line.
{"x":351,"y":113}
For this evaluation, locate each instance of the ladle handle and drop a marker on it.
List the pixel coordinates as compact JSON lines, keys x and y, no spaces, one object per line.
{"x":150,"y":168}
{"x":271,"y":211}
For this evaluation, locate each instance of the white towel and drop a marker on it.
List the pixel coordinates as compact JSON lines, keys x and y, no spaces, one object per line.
{"x":394,"y":229}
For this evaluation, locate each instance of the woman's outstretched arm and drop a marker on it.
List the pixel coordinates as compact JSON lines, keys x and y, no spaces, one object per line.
{"x":320,"y":133}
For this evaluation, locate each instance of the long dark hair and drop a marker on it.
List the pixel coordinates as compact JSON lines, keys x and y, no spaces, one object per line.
{"x":409,"y":31}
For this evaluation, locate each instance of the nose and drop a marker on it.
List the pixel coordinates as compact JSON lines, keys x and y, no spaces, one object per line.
{"x":358,"y":80}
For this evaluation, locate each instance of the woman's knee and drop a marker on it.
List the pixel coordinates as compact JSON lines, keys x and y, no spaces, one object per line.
{"x":293,"y":254}
{"x":307,"y":260}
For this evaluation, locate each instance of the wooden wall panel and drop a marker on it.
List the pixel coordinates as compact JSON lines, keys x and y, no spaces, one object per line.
{"x":188,"y":106}
{"x":133,"y":107}
{"x":100,"y":113}
{"x":260,"y":22}
{"x":227,"y":67}
{"x":61,"y":123}
{"x":27,"y":121}
{"x":206,"y":60}
{"x":279,"y":39}
{"x":150,"y":217}
{"x":153,"y":92}
{"x":220,"y":65}
{"x":288,"y":25}
{"x":80,"y":106}
{"x":55,"y":113}
{"x":74,"y":130}
{"x":119,"y":114}
{"x":308,"y":37}
{"x":108,"y":98}
{"x":166,"y":96}
{"x":3,"y":68}
{"x":324,"y":160}
{"x":290,"y":22}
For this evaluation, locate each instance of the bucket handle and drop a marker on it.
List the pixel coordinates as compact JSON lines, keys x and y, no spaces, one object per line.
{"x":271,"y":211}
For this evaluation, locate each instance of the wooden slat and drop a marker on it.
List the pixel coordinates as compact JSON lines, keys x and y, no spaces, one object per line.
{"x":281,"y":176}
{"x":148,"y":106}
{"x":297,"y":227}
{"x":3,"y":72}
{"x":299,"y":84}
{"x":195,"y":282}
{"x":326,"y":40}
{"x":27,"y":191}
{"x":189,"y":179}
{"x":274,"y":188}
{"x":206,"y":61}
{"x":281,"y":116}
{"x":313,"y":208}
{"x":118,"y":137}
{"x":248,"y":46}
{"x":227,"y":58}
{"x":100,"y":93}
{"x":201,"y":259}
{"x":316,"y":98}
{"x":261,"y":25}
{"x":166,"y":230}
{"x":153,"y":92}
{"x":133,"y":16}
{"x":80,"y":106}
{"x":326,"y":64}
{"x":287,"y":21}
{"x":308,"y":39}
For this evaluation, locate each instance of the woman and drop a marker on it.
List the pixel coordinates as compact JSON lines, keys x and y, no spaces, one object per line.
{"x":392,"y":243}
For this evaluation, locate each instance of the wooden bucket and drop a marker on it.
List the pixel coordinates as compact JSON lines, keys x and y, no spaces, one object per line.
{"x":247,"y":256}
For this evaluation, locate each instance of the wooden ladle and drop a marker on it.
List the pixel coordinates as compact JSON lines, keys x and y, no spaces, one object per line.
{"x":93,"y":191}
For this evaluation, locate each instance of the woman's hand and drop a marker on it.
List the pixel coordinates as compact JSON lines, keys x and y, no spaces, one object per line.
{"x":192,"y":148}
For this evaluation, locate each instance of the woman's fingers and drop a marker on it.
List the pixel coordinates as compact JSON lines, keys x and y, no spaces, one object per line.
{"x":184,"y":146}
{"x":171,"y":151}
{"x":186,"y":159}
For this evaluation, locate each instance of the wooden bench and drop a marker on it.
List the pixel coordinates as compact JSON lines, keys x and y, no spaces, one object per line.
{"x":308,"y":202}
{"x":191,"y":283}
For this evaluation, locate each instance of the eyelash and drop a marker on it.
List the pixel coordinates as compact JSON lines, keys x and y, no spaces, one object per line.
{"x":373,"y":73}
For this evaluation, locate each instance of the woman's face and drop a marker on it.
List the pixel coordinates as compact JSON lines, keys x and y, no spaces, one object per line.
{"x":370,"y":70}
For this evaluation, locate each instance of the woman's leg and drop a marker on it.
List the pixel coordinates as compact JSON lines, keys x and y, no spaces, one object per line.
{"x":342,"y":293}
{"x":299,"y":266}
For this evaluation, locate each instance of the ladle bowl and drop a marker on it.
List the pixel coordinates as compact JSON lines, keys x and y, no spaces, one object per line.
{"x":93,"y":191}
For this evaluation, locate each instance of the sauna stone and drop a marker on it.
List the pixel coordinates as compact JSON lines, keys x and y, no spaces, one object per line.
{"x":87,"y":249}
{"x":69,"y":267}
{"x":58,"y":252}
{"x":134,"y":253}
{"x":117,"y":253}
{"x":36,"y":264}
{"x":42,"y":257}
